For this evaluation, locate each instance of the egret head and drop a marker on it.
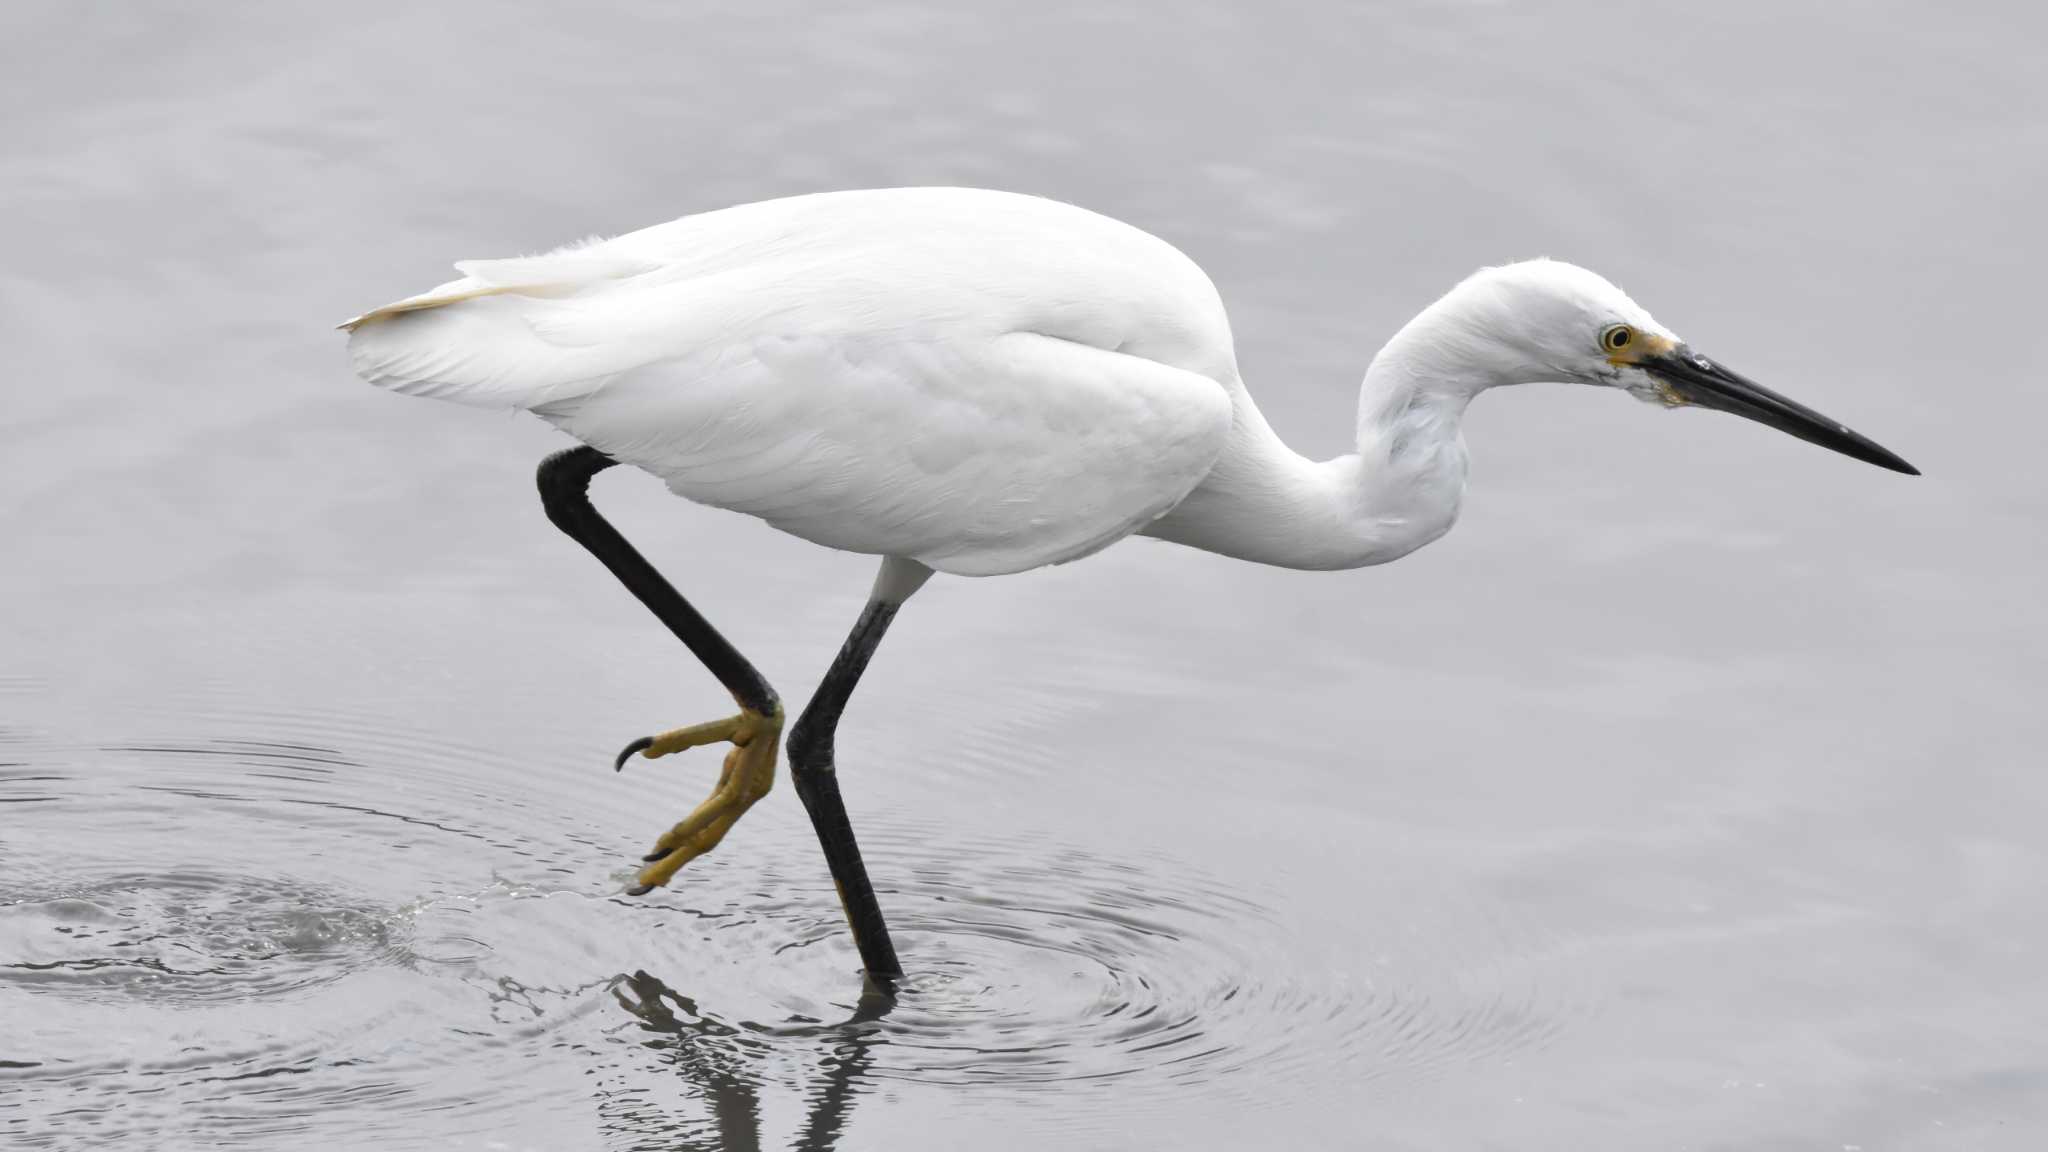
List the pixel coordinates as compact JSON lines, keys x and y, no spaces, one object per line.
{"x":1547,"y":320}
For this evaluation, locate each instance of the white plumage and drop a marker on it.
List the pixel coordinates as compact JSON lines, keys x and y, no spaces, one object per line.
{"x":984,"y":382}
{"x":978,"y":381}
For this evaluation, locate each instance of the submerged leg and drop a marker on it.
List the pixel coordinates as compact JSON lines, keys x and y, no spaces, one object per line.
{"x":817,"y":779}
{"x":754,"y":732}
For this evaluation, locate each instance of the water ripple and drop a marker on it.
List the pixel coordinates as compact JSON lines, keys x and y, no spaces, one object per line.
{"x":1030,"y":970}
{"x":235,"y":935}
{"x":191,"y":935}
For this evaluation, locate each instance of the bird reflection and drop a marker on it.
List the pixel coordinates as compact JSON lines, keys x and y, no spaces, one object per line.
{"x":727,"y":1062}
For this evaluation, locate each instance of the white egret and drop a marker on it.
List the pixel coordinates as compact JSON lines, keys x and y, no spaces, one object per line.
{"x":977,"y":383}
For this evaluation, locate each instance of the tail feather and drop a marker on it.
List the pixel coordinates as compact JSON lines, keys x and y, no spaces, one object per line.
{"x":556,"y":273}
{"x":478,"y":340}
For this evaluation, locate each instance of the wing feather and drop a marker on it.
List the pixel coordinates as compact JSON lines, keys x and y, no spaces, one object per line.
{"x":976,"y":458}
{"x":980,"y":381}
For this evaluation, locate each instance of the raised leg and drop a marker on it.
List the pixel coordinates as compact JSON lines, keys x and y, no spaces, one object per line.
{"x":817,"y":779}
{"x":749,"y":772}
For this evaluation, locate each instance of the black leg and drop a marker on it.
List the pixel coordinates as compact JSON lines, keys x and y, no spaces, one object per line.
{"x":817,"y":783}
{"x":565,"y":492}
{"x":564,"y":480}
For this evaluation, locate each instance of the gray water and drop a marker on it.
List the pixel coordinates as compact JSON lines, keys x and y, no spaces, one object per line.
{"x":1688,"y":796}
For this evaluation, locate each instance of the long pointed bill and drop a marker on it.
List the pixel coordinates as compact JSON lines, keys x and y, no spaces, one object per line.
{"x":1695,"y":379}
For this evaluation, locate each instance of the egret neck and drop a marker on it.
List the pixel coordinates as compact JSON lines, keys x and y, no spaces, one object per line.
{"x":1401,"y":489}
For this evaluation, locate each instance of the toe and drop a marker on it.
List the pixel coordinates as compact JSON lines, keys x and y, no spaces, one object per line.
{"x":640,"y":745}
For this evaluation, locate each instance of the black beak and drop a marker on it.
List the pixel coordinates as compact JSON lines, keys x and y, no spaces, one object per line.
{"x":1697,"y":380}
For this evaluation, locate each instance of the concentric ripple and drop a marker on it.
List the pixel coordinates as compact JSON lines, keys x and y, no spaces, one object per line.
{"x":1078,"y":967}
{"x":232,"y":940}
{"x":191,"y":935}
{"x":1031,"y":971}
{"x":225,"y":941}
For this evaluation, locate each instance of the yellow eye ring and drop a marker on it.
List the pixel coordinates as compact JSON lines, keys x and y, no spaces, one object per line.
{"x":1617,"y":337}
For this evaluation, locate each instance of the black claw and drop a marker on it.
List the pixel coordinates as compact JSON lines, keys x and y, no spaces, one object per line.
{"x":640,"y":745}
{"x":639,"y":889}
{"x":658,"y":854}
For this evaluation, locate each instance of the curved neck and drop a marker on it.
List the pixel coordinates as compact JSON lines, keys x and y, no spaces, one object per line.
{"x":1401,"y":489}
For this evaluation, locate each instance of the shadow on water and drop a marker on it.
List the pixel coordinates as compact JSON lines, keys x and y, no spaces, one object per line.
{"x":730,"y":1077}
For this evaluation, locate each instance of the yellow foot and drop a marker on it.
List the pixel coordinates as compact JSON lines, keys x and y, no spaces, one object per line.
{"x":748,"y":774}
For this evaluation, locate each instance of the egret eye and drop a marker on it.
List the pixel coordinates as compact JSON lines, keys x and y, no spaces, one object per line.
{"x":1617,"y":337}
